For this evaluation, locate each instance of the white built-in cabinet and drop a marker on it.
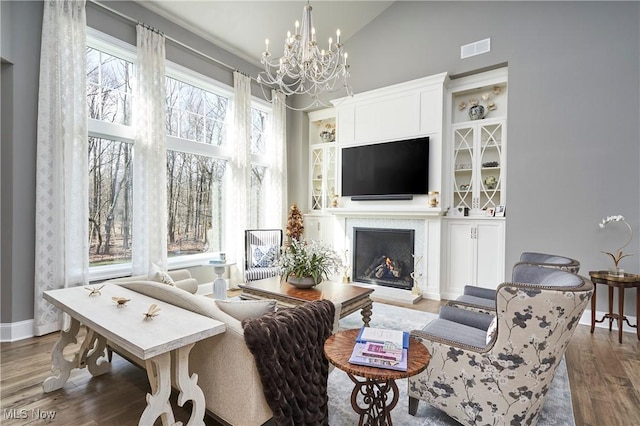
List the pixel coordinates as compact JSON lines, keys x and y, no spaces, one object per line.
{"x":323,"y":175}
{"x":474,"y":240}
{"x":474,"y":254}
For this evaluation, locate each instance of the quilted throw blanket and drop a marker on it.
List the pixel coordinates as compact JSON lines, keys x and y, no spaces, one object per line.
{"x":288,"y":346}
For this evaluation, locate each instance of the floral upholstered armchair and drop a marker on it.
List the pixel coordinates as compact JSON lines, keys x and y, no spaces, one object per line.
{"x":481,"y":299}
{"x":503,"y":378}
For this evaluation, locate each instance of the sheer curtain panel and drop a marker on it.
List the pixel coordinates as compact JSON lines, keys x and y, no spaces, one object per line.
{"x":240,"y":166}
{"x":276,"y":189}
{"x":149,"y":243}
{"x":61,"y":246}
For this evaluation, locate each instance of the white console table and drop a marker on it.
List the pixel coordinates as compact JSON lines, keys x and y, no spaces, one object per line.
{"x":163,"y":342}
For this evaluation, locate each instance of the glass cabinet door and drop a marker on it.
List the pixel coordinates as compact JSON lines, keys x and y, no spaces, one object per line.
{"x":463,"y":160}
{"x":490,"y":165}
{"x":478,"y":155}
{"x":317,"y":155}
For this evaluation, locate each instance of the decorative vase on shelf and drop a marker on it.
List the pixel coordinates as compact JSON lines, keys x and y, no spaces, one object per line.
{"x":477,"y":112}
{"x":301,"y":282}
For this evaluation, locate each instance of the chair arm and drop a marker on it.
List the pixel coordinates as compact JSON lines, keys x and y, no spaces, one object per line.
{"x":189,"y":284}
{"x":466,"y":317}
{"x":434,"y":342}
{"x":485,"y":293}
{"x":179,"y":275}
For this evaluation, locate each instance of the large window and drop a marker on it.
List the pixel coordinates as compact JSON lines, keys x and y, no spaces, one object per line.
{"x":196,"y":164}
{"x":198,"y":152}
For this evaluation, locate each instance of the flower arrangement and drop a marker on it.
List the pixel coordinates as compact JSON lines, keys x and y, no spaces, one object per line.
{"x":312,"y":259}
{"x":618,"y":256}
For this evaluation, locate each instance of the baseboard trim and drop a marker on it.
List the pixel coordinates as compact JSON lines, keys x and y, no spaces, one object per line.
{"x":11,"y":332}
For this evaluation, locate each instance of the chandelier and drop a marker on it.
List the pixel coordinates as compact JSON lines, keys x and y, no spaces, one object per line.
{"x":305,"y":68}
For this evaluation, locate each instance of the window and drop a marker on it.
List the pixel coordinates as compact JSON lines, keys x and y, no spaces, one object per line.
{"x":198,"y":153}
{"x":197,"y":156}
{"x":109,"y":101}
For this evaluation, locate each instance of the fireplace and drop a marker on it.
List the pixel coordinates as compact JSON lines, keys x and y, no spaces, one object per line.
{"x":383,"y":256}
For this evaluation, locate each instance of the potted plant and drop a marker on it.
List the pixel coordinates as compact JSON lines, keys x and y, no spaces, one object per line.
{"x":305,"y":265}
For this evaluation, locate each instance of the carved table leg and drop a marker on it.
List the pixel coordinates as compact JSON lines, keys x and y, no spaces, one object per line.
{"x":91,"y":351}
{"x":60,"y":365}
{"x":366,"y":314}
{"x":159,"y":373}
{"x":188,"y":386}
{"x":374,"y":397}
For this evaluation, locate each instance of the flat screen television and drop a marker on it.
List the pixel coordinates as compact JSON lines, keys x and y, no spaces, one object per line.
{"x":392,"y":170}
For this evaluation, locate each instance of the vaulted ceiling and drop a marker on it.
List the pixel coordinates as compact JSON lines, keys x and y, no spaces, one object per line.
{"x":241,"y":27}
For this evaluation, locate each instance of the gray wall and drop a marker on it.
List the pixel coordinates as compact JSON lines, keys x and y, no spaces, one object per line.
{"x":574,"y":93}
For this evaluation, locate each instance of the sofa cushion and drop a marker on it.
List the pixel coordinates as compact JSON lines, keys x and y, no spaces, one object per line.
{"x":244,"y":309}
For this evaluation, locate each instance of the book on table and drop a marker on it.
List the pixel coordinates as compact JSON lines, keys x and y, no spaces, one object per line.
{"x":381,"y":348}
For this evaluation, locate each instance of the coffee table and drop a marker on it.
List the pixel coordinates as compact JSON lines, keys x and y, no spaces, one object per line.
{"x":351,"y":297}
{"x":378,"y":391}
{"x":163,"y":342}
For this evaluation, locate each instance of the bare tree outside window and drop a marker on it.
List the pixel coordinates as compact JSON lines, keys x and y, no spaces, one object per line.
{"x":195,"y":202}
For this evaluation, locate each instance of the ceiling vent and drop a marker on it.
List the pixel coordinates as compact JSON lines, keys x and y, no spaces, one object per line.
{"x":475,"y":48}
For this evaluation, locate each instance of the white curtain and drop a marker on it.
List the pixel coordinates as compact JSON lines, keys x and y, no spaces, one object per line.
{"x":149,"y":243}
{"x":276,"y":189}
{"x":238,"y":217}
{"x":61,"y":246}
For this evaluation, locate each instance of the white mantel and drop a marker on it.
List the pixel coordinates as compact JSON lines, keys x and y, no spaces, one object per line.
{"x":388,"y":210}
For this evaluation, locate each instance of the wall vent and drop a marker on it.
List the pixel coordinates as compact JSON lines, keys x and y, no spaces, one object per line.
{"x":475,"y":48}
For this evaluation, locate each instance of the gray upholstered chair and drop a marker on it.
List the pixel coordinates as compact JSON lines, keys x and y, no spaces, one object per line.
{"x":262,"y":248}
{"x":480,"y":376}
{"x":481,"y":299}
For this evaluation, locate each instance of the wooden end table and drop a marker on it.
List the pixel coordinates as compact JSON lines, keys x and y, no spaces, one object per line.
{"x":378,"y":390}
{"x":162,"y":342}
{"x":621,"y":282}
{"x":352,"y":298}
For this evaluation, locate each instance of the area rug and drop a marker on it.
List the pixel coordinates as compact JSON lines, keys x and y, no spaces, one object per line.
{"x":557,"y":409}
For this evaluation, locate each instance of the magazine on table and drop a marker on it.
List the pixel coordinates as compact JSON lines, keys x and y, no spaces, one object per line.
{"x":358,"y":358}
{"x":382,"y":348}
{"x":397,"y":338}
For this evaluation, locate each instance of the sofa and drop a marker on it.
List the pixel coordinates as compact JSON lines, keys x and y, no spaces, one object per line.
{"x":226,"y":369}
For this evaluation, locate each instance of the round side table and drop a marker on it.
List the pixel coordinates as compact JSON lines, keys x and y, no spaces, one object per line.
{"x":374,"y":397}
{"x":220,"y":284}
{"x":621,"y":282}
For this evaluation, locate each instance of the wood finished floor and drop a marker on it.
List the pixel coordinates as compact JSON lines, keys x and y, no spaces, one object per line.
{"x":604,"y":377}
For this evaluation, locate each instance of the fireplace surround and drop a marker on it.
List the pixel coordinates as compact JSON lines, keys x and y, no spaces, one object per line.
{"x":383,"y":256}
